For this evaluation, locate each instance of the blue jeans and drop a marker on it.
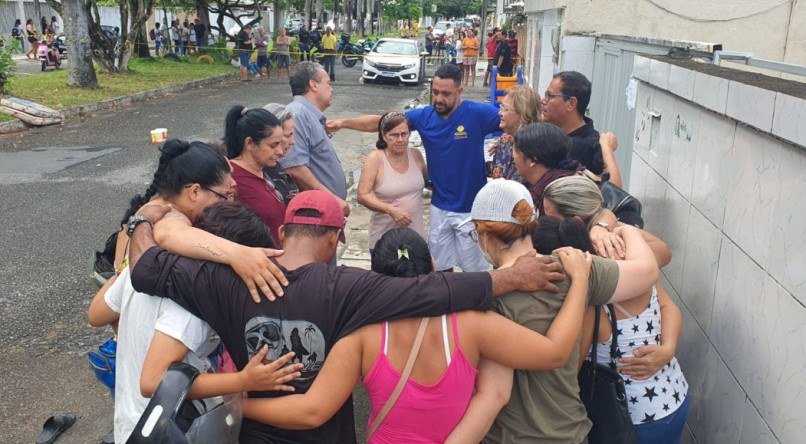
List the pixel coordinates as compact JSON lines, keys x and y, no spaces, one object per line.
{"x":666,"y":430}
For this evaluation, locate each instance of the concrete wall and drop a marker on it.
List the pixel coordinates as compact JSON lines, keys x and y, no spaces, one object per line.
{"x":720,"y":168}
{"x":737,"y":24}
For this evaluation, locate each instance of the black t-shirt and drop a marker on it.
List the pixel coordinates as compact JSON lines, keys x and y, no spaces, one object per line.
{"x":282,"y":182}
{"x":585,"y":147}
{"x":503,"y":53}
{"x":242,"y":39}
{"x":199,"y":29}
{"x":321,"y":305}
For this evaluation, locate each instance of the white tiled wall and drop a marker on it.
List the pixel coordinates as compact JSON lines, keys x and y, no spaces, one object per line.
{"x":728,"y":198}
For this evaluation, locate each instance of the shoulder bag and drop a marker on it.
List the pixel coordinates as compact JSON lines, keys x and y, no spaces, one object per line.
{"x":602,"y":391}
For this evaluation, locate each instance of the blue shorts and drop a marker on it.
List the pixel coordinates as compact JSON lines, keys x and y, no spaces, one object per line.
{"x":243,"y":57}
{"x":262,"y":61}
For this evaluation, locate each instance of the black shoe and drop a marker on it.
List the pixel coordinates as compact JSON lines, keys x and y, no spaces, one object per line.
{"x":102,"y":270}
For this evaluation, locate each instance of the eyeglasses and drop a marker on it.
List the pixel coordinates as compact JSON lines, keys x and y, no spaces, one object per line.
{"x":228,"y":196}
{"x":399,"y":136}
{"x":504,"y":108}
{"x":474,"y":235}
{"x":549,"y":95}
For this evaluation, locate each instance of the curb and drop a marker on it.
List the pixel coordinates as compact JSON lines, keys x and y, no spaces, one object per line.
{"x":17,"y":125}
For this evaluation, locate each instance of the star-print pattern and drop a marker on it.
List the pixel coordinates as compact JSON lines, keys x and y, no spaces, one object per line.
{"x":661,"y":394}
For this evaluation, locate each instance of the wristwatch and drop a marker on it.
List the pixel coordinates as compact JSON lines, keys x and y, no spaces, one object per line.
{"x":604,"y":225}
{"x":134,"y":221}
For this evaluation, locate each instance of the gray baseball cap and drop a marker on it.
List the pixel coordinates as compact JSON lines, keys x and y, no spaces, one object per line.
{"x":496,"y":200}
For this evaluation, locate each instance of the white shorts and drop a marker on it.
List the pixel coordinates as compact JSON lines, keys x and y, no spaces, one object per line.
{"x":451,"y":244}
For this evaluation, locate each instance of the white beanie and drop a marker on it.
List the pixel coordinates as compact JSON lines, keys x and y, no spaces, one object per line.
{"x":497,"y":199}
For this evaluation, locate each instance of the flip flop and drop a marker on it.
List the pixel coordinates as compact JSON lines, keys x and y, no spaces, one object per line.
{"x":55,"y":426}
{"x":109,"y":438}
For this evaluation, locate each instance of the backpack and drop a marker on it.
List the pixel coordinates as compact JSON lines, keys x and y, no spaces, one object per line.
{"x":15,"y":32}
{"x":151,"y":34}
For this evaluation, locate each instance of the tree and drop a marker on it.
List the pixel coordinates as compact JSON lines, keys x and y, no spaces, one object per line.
{"x":457,"y":8}
{"x":242,"y":12}
{"x":80,"y":70}
{"x":394,"y":10}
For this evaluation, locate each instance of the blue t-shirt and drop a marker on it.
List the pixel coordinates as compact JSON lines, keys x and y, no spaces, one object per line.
{"x":454,"y":148}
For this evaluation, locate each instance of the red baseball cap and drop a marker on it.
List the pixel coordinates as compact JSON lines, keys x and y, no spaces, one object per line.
{"x":321,"y":201}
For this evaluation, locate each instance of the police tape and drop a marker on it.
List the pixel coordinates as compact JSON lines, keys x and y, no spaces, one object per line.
{"x":439,"y":55}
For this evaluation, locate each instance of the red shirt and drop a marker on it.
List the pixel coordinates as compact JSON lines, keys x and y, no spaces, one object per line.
{"x":256,"y":193}
{"x":491,"y":45}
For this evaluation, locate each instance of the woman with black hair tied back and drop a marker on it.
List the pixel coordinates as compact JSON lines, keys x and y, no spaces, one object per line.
{"x":255,"y":140}
{"x":153,"y":332}
{"x":541,"y":156}
{"x":392,"y":180}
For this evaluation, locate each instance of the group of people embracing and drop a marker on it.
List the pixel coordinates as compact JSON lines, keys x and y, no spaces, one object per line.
{"x":231,"y":254}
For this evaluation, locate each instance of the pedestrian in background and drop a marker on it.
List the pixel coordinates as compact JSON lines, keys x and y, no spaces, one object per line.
{"x":173,"y":33}
{"x":201,"y":33}
{"x":16,"y":33}
{"x":187,"y":37}
{"x":55,"y":26}
{"x":513,"y":47}
{"x":470,"y":46}
{"x":305,"y":44}
{"x":43,"y":22}
{"x":30,"y":29}
{"x":503,"y":55}
{"x":329,"y":44}
{"x":282,"y":45}
{"x":489,"y":47}
{"x":262,"y":44}
{"x":243,"y":47}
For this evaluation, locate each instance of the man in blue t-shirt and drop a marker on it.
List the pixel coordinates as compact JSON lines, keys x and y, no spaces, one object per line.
{"x":452,"y":131}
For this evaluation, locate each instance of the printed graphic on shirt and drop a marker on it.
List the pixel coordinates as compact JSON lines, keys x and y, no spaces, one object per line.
{"x":282,"y":336}
{"x":460,"y":132}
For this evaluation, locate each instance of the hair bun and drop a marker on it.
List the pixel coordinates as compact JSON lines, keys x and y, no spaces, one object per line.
{"x":173,"y":148}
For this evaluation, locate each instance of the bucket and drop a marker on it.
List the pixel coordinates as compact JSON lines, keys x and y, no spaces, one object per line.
{"x":505,"y":84}
{"x":159,"y":135}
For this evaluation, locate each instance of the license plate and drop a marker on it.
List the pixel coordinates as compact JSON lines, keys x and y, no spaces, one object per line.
{"x":388,"y":74}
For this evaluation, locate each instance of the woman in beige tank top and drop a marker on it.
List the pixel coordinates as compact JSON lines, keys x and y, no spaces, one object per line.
{"x":392,"y":180}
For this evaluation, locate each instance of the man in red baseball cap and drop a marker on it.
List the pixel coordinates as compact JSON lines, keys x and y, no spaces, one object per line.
{"x":322,"y":302}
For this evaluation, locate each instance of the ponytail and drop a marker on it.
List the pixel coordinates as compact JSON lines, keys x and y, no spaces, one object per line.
{"x":242,"y":122}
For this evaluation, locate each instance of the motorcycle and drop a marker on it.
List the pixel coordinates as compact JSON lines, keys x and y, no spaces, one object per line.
{"x":367,"y":44}
{"x":48,"y":54}
{"x":350,"y":52}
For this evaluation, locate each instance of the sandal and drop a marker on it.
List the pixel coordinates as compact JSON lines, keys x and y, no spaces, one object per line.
{"x":55,"y":426}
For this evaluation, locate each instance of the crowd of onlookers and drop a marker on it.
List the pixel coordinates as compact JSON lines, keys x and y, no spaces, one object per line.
{"x":548,"y":268}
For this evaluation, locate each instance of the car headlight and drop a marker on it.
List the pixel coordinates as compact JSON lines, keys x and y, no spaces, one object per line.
{"x":370,"y":63}
{"x":409,"y":66}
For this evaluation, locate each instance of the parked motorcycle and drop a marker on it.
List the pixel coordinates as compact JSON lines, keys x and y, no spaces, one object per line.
{"x":48,"y":55}
{"x":350,"y":52}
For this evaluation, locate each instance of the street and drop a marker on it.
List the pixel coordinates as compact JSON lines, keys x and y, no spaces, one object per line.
{"x":64,"y":190}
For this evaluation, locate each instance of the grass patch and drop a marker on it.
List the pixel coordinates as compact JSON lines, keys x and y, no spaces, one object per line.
{"x":50,"y":88}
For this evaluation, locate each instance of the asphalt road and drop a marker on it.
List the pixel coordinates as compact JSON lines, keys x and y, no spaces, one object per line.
{"x":63,"y":191}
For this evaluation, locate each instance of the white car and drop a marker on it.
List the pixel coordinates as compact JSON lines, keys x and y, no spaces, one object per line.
{"x":394,"y":60}
{"x":440,"y":28}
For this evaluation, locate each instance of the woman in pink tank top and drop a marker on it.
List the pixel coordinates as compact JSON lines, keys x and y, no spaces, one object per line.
{"x":392,"y":180}
{"x":441,"y":382}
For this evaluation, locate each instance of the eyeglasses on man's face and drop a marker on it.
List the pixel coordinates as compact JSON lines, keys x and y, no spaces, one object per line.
{"x":548,"y":95}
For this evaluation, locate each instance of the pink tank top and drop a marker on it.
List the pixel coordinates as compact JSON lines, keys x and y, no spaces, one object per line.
{"x":404,"y":191}
{"x":422,"y":413}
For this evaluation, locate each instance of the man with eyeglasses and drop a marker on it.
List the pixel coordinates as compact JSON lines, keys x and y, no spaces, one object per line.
{"x":564,"y":105}
{"x":312,"y":161}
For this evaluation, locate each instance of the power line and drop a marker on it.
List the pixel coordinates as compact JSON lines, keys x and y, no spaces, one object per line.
{"x":701,"y":20}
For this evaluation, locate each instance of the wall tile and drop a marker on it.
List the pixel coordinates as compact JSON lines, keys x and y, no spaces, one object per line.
{"x":674,"y":231}
{"x":720,"y":405}
{"x":659,"y":73}
{"x":711,"y":92}
{"x":691,"y":352}
{"x":643,"y":120}
{"x":778,"y":351}
{"x":663,"y":104}
{"x":752,"y":192}
{"x":638,"y":176}
{"x":788,"y":246}
{"x":790,"y":113}
{"x":754,"y":429}
{"x":681,"y":82}
{"x":654,"y":208}
{"x":683,"y":147}
{"x":738,"y":286}
{"x":640,"y":68}
{"x":751,"y":105}
{"x":712,"y":168}
{"x":700,"y":267}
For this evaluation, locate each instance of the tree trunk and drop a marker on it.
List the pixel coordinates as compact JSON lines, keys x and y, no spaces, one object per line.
{"x":348,"y":16}
{"x":336,"y":16}
{"x":308,"y":14}
{"x":80,"y":71}
{"x":320,"y":10}
{"x":139,"y":31}
{"x":359,"y":16}
{"x":203,"y":13}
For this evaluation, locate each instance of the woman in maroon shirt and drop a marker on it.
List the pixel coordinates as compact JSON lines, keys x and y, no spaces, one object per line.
{"x":254,"y":139}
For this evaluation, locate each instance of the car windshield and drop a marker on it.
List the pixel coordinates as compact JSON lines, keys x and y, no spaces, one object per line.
{"x":441,"y":25}
{"x":400,"y":48}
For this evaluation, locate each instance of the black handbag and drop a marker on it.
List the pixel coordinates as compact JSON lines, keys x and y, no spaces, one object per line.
{"x":623,"y":204}
{"x":601,"y":389}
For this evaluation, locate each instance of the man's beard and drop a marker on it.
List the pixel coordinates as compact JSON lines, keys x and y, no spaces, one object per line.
{"x":447,"y":109}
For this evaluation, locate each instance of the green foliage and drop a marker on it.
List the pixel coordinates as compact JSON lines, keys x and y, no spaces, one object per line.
{"x":7,"y":64}
{"x":402,"y":10}
{"x":457,"y":8}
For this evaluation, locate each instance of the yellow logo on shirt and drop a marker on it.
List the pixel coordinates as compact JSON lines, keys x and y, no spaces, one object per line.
{"x":460,"y":132}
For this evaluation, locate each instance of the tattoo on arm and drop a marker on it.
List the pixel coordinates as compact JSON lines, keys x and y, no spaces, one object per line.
{"x":209,"y":250}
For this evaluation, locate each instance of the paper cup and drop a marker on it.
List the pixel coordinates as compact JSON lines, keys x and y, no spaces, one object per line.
{"x":159,"y":135}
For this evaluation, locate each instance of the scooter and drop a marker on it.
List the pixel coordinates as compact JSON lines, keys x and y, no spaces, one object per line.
{"x":48,"y":55}
{"x":350,"y":51}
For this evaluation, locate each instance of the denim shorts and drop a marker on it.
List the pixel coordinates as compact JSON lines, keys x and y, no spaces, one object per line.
{"x":262,"y":61}
{"x":243,"y":57}
{"x":667,"y":430}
